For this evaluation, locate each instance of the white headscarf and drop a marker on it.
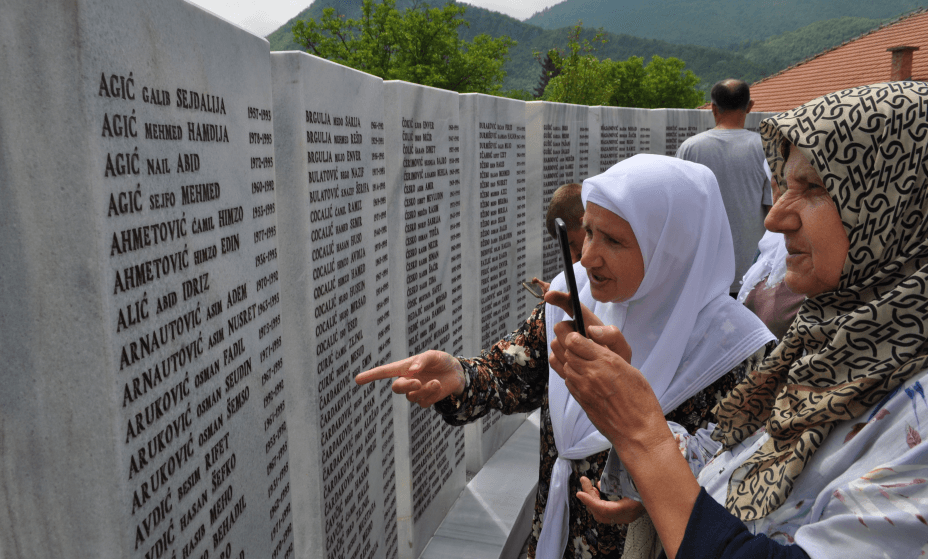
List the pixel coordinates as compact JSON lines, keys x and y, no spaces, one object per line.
{"x":676,"y":212}
{"x":770,"y":264}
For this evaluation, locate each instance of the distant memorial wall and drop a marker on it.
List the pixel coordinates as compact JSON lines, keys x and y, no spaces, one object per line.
{"x":423,"y":170}
{"x":493,"y":158}
{"x":618,"y":133}
{"x":203,"y":244}
{"x":674,"y":126}
{"x":334,"y":242}
{"x":554,"y":137}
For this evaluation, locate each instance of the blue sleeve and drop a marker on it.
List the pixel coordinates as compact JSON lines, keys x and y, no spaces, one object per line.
{"x":713,"y":532}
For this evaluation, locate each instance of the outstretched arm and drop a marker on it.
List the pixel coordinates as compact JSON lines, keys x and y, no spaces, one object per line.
{"x":511,"y":376}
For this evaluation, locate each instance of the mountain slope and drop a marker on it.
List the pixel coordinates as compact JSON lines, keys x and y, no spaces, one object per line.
{"x":716,"y":23}
{"x":492,"y":23}
{"x":749,"y":60}
{"x":789,"y":48}
{"x":710,"y":64}
{"x":523,"y":71}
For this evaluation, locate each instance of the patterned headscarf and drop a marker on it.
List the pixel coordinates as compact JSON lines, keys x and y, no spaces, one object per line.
{"x":850,"y":347}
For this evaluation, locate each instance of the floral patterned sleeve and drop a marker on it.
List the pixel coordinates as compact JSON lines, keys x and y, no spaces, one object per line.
{"x":511,"y":376}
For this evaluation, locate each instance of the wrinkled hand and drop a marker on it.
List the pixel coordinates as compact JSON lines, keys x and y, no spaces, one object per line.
{"x":424,"y":379}
{"x":607,"y":336}
{"x":615,"y":396}
{"x":624,"y":511}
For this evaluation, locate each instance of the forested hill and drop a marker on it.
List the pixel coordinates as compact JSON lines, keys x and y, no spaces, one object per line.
{"x":713,"y":23}
{"x":750,"y":60}
{"x":523,"y":71}
{"x":492,"y":23}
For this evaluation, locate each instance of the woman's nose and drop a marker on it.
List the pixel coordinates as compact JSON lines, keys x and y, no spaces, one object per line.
{"x":780,"y":218}
{"x":589,"y":255}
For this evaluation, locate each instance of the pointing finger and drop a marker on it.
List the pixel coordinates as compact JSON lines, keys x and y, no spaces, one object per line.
{"x":390,"y":370}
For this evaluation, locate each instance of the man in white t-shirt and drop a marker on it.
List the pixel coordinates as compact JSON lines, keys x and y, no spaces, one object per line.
{"x":736,"y":157}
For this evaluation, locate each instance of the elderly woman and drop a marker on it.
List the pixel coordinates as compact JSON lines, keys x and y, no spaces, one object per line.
{"x":657,"y":262}
{"x":822,"y":444}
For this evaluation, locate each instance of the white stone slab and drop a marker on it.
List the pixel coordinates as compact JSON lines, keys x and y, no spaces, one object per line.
{"x":585,"y":167}
{"x":496,"y":508}
{"x":594,"y":117}
{"x":645,"y":133}
{"x":422,"y":141}
{"x":554,"y":131}
{"x":142,"y":371}
{"x":657,"y":119}
{"x":334,"y":239}
{"x":493,"y":163}
{"x":619,"y":133}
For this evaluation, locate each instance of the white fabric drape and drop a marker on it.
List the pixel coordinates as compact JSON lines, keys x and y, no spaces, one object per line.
{"x":676,"y":212}
{"x":770,"y":264}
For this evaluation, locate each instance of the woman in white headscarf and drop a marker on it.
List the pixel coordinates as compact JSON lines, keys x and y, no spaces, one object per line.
{"x":657,"y":263}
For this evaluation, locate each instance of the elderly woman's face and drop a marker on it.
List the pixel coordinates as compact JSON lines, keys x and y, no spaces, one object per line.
{"x":815,"y":238}
{"x":611,"y":255}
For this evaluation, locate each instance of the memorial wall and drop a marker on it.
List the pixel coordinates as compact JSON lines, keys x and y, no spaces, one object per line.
{"x":752,"y":122}
{"x":423,"y":172}
{"x":204,"y":242}
{"x":554,"y":138}
{"x":334,"y":244}
{"x":493,"y":158}
{"x":619,"y":133}
{"x":674,"y":126}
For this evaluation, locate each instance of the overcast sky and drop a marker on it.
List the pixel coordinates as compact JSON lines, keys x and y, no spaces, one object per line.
{"x":262,"y":17}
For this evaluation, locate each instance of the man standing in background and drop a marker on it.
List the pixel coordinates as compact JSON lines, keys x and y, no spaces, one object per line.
{"x":736,"y":157}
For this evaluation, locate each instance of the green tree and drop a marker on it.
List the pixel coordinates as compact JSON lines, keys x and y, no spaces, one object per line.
{"x":548,"y":71}
{"x":586,"y":80}
{"x":420,"y":46}
{"x":581,"y":77}
{"x":662,"y":83}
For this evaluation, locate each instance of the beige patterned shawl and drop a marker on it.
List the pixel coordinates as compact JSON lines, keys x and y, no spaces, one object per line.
{"x":850,"y":347}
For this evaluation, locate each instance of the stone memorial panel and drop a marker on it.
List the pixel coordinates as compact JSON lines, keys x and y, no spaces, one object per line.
{"x":138,"y":210}
{"x":619,"y":133}
{"x":493,"y":167}
{"x":584,"y":156}
{"x":423,"y":167}
{"x":553,"y":159}
{"x":594,"y":118}
{"x":334,"y":241}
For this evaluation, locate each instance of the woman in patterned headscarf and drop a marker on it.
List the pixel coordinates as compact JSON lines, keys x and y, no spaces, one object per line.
{"x":822,"y":444}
